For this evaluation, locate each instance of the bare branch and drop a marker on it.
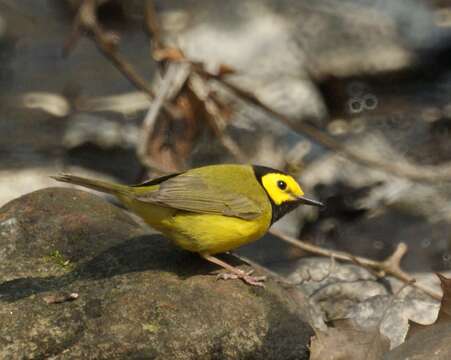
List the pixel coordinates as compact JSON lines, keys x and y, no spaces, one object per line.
{"x":152,"y":24}
{"x":428,"y":174}
{"x":106,"y":42}
{"x":391,"y":266}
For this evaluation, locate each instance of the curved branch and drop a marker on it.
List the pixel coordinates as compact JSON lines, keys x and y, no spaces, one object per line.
{"x":390,"y":266}
{"x":427,"y":174}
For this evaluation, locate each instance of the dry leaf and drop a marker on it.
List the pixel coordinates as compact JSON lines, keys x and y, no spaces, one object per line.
{"x":225,"y":70}
{"x":347,"y":341}
{"x":172,"y":140}
{"x":429,"y":341}
{"x":168,"y":53}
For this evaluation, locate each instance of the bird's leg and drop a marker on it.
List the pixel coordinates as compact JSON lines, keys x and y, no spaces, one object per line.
{"x":234,"y":273}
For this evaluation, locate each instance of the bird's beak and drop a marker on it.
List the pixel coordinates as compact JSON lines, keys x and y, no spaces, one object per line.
{"x":306,"y":201}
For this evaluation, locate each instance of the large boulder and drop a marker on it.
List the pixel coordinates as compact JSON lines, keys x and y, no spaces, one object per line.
{"x":138,"y":295}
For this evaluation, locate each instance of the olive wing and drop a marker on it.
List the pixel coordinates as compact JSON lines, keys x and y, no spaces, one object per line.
{"x":190,"y":192}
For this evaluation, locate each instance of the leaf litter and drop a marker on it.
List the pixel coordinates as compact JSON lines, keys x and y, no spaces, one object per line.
{"x":345,"y":340}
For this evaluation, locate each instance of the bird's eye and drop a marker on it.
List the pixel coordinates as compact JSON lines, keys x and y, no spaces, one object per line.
{"x":282,"y":185}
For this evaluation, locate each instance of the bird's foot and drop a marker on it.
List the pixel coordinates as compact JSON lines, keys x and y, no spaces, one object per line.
{"x":235,"y":273}
{"x":245,"y":276}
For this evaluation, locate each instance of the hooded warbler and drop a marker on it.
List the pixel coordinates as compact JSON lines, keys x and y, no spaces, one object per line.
{"x":211,"y":209}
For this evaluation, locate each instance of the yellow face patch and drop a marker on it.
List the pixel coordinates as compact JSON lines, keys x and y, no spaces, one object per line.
{"x":281,"y":188}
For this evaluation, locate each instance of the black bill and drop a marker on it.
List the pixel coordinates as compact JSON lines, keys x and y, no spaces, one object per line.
{"x":305,"y":201}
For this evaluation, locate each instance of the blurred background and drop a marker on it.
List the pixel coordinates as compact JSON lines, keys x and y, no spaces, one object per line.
{"x":352,"y":97}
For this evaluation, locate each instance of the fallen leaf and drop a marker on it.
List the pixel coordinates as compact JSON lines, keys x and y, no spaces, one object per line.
{"x":172,"y":140}
{"x":347,"y":341}
{"x":429,"y":341}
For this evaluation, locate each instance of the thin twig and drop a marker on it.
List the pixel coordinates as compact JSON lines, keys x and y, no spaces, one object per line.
{"x":59,"y":297}
{"x":391,"y":266}
{"x":153,"y":25}
{"x":107,"y":42}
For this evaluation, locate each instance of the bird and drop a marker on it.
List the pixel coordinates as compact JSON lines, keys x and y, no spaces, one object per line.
{"x":210,"y":209}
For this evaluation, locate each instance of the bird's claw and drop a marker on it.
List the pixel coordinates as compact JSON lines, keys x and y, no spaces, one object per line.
{"x":245,"y":276}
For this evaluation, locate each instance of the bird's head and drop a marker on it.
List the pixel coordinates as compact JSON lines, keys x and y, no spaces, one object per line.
{"x":284,"y":192}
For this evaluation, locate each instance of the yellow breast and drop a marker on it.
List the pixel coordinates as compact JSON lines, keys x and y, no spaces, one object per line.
{"x":202,"y":233}
{"x":213,"y":234}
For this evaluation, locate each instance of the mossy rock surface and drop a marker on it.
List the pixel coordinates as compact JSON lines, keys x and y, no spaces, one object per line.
{"x":139,"y":296}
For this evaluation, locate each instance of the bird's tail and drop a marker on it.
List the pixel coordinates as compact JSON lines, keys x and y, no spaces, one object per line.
{"x":98,"y":185}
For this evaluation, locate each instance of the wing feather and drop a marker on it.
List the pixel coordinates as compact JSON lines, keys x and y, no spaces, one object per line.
{"x":190,"y":192}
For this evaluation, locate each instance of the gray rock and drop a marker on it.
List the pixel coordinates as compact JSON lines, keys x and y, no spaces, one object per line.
{"x":138,"y":296}
{"x":345,"y":291}
{"x":335,"y":287}
{"x":391,"y":314}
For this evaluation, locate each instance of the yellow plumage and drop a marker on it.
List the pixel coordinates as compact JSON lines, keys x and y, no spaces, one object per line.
{"x":209,"y":233}
{"x":211,"y":209}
